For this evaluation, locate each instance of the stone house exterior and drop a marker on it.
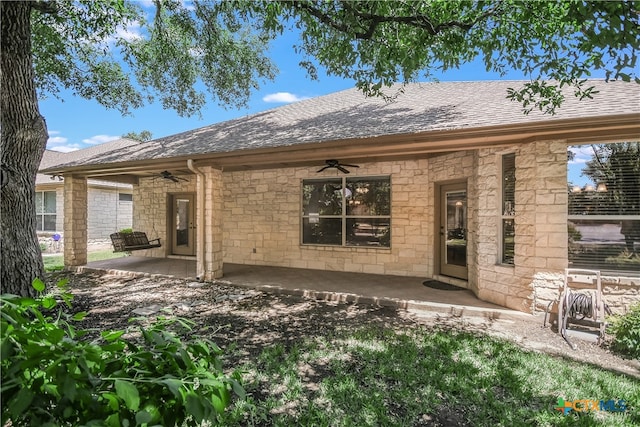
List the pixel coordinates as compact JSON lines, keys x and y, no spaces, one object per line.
{"x":450,"y":181}
{"x":109,"y":204}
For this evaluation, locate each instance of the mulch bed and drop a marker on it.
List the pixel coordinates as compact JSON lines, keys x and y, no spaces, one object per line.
{"x":247,"y":320}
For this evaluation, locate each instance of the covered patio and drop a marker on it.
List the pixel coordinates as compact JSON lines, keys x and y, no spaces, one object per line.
{"x":402,"y":292}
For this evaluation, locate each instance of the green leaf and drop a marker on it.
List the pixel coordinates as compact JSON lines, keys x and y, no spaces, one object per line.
{"x":174,"y":385}
{"x":195,"y":407}
{"x":113,"y":401}
{"x":113,"y":420}
{"x":69,"y":388}
{"x":153,"y":412}
{"x":111,"y":335}
{"x":48,"y":302}
{"x":143,"y":417}
{"x":129,"y":393}
{"x":238,"y":389}
{"x":38,"y":285}
{"x":80,"y":315}
{"x":19,"y":403}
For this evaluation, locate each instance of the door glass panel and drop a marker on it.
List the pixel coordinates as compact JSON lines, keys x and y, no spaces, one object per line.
{"x":456,"y":228}
{"x":182,"y":222}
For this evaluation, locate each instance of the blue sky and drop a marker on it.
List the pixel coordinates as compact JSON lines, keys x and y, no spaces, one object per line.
{"x":75,"y":123}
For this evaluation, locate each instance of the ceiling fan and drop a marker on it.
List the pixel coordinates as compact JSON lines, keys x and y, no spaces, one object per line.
{"x":333,"y":163}
{"x":171,"y":177}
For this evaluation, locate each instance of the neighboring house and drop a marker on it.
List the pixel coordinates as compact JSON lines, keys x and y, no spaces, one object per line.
{"x":109,"y":204}
{"x":453,"y":182}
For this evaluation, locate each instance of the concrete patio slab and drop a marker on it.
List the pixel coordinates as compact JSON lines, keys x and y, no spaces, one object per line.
{"x":402,"y":292}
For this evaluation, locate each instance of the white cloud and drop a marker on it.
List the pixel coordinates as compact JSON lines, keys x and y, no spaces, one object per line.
{"x":130,"y":32}
{"x":56,"y":140}
{"x":60,"y":143}
{"x":582,"y":154}
{"x":283,"y":97}
{"x":100,"y":139}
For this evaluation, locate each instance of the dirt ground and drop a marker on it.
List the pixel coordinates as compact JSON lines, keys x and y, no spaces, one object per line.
{"x":250,"y":320}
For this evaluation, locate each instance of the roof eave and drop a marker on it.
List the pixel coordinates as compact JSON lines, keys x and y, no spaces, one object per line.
{"x":573,"y":131}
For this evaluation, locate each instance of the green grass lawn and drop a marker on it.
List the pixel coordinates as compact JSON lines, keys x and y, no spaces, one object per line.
{"x":56,"y":262}
{"x":374,"y":376}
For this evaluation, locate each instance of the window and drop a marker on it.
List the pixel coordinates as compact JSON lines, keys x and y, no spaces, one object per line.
{"x":347,"y":211}
{"x":604,"y":207}
{"x":507,"y":225}
{"x":125,"y":197}
{"x":45,"y":210}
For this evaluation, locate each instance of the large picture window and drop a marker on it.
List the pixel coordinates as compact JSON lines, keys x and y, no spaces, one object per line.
{"x":347,"y":211}
{"x":45,"y":210}
{"x":604,"y":207}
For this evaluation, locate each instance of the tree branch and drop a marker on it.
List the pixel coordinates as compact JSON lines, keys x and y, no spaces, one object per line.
{"x":48,"y":7}
{"x":373,"y":20}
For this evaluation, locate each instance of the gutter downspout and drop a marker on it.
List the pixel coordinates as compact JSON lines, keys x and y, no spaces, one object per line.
{"x":200,"y":221}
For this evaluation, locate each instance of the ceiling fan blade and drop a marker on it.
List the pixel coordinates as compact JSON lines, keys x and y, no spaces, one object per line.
{"x":341,"y":169}
{"x":349,"y":166}
{"x":326,"y":167}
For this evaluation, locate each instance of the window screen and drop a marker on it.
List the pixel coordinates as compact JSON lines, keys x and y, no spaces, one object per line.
{"x":604,"y":207}
{"x":508,"y":208}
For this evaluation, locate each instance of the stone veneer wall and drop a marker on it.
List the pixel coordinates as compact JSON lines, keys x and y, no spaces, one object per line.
{"x":257,"y":215}
{"x":540,"y":222}
{"x":150,"y":203}
{"x":262,"y":222}
{"x":619,"y":293}
{"x":75,"y":220}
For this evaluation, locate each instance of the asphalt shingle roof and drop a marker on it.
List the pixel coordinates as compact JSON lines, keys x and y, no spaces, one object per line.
{"x":51,"y":158}
{"x":349,"y":114}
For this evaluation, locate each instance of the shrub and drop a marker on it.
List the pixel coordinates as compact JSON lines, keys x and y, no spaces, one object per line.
{"x":126,"y":231}
{"x":626,"y":331}
{"x":53,"y":377}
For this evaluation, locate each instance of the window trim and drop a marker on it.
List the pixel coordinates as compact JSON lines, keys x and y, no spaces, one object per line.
{"x":343,"y":216}
{"x":41,"y":214}
{"x":501,"y":216}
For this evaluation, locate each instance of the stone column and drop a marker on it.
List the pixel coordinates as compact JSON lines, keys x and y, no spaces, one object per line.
{"x":213,"y":211}
{"x":75,"y":220}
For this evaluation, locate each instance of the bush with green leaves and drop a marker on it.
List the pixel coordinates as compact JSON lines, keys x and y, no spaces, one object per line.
{"x":53,"y":375}
{"x":626,"y":331}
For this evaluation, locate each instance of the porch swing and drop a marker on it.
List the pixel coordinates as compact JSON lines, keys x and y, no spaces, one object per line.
{"x":134,"y":240}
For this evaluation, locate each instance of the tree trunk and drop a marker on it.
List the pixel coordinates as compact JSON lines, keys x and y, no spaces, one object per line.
{"x":23,"y":140}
